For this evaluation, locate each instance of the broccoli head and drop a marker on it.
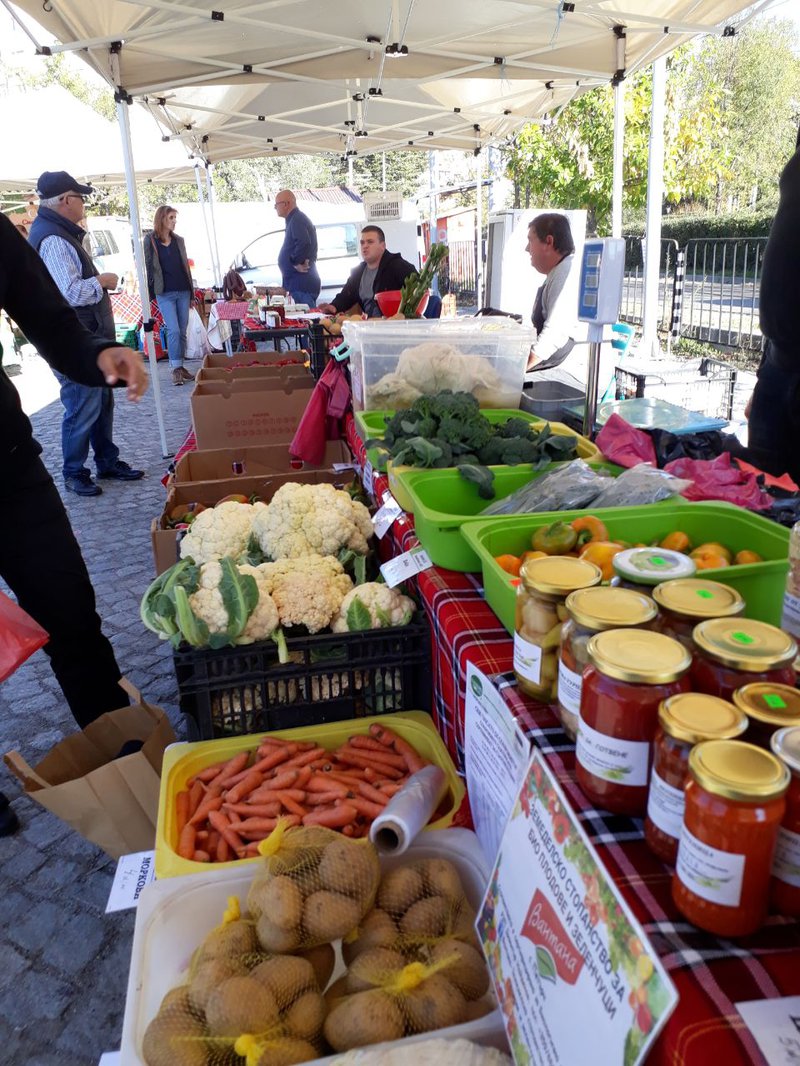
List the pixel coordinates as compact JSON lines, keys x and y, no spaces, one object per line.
{"x":514,"y":427}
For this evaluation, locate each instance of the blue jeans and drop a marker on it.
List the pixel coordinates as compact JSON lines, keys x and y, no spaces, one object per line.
{"x":174,"y":307}
{"x":88,"y":419}
{"x":301,"y":297}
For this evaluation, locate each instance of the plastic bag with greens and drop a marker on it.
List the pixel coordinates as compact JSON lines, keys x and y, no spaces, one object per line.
{"x":640,"y":485}
{"x":568,"y":488}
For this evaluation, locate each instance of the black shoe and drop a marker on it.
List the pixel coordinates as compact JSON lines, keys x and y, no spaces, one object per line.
{"x":82,"y":485}
{"x":121,"y":472}
{"x":9,"y":823}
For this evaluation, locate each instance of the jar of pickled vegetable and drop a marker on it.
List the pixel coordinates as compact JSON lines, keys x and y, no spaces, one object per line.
{"x":785,"y":885}
{"x":637,"y":567}
{"x":683,"y":721}
{"x":591,"y":611}
{"x":735,"y":801}
{"x":630,"y":672}
{"x":768,"y":708}
{"x":540,"y":613}
{"x":732,"y":652}
{"x":686,"y":601}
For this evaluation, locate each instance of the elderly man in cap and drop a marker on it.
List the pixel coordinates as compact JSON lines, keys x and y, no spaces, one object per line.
{"x":88,"y":411}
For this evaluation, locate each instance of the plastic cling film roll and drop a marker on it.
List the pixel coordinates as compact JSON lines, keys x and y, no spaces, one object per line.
{"x":408,"y":811}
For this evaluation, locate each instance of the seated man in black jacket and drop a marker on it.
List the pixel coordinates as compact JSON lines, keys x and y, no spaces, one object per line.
{"x":381,"y":271}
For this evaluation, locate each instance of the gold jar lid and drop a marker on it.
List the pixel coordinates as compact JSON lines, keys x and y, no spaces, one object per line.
{"x":738,"y":771}
{"x":694,"y":597}
{"x":602,"y":608}
{"x":744,"y":644}
{"x":558,"y":575}
{"x":693,"y":716}
{"x":639,"y":656}
{"x":777,"y":705}
{"x":786,"y":745}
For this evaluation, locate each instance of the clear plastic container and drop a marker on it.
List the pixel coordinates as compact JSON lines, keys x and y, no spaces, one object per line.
{"x":686,"y":601}
{"x":638,"y":567}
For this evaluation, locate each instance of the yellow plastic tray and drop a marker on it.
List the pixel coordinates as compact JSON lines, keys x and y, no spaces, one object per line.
{"x":182,"y":761}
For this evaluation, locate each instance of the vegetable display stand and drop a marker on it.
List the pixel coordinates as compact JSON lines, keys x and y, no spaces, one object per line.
{"x":330,"y":677}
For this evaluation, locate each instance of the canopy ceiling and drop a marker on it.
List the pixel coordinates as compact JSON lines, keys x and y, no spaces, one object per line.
{"x":256,"y":76}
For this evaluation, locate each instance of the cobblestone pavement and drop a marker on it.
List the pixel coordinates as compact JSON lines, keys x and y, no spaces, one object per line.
{"x":64,"y":964}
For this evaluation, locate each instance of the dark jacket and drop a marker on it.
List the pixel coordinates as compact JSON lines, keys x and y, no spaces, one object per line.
{"x":392,"y":272}
{"x":780,"y":274}
{"x":299,"y":244}
{"x":31,"y":298}
{"x":155,"y":278}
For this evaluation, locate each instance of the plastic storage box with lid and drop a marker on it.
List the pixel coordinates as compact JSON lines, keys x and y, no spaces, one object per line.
{"x":182,"y":761}
{"x":377,"y":345}
{"x":760,"y":584}
{"x":174,"y":916}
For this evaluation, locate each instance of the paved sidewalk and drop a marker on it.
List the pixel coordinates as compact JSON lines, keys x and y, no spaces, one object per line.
{"x":64,"y":965}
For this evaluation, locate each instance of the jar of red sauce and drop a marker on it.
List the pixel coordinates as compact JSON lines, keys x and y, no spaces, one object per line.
{"x":732,"y":652}
{"x":768,"y":708}
{"x":630,"y":672}
{"x":784,"y":894}
{"x":686,"y":601}
{"x":735,"y":802}
{"x":591,"y":611}
{"x":683,"y":721}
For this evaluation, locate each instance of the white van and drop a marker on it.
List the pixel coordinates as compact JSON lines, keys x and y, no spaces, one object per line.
{"x":110,"y":244}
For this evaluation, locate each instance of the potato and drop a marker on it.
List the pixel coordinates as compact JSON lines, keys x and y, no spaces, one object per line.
{"x":373,"y":968}
{"x":287,"y":1052}
{"x":163,"y":1043}
{"x":461,"y":924}
{"x":377,"y":930}
{"x":435,"y":1004}
{"x":468,"y":973}
{"x":441,"y":878}
{"x":287,"y":977}
{"x":329,"y":915}
{"x":282,"y":901}
{"x":323,"y":960}
{"x":336,"y":991}
{"x":351,"y":868}
{"x":365,"y":1018}
{"x":241,"y":1005}
{"x":228,"y":941}
{"x":479,"y":1008}
{"x":426,"y":917}
{"x":305,"y":1016}
{"x":399,"y":889}
{"x":273,"y":938}
{"x":207,"y":977}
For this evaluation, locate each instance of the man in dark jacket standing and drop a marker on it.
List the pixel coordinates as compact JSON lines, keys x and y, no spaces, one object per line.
{"x":381,"y":271}
{"x":297,"y":258}
{"x":88,"y":412}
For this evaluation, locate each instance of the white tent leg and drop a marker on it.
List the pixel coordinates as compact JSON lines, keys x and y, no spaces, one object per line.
{"x":211,"y":205}
{"x":202,"y":201}
{"x":123,"y":119}
{"x":479,"y":229}
{"x":619,"y":142}
{"x":655,"y":196}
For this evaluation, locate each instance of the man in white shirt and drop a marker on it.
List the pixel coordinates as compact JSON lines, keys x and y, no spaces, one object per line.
{"x":552,"y":251}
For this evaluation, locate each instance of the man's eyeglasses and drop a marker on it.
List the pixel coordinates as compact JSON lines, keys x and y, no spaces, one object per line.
{"x":282,"y":203}
{"x":74,"y":196}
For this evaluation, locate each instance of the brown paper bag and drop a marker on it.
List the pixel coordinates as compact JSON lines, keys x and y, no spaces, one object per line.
{"x":112,"y":802}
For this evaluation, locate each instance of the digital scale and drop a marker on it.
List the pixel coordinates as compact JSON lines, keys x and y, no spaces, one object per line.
{"x":599,"y":296}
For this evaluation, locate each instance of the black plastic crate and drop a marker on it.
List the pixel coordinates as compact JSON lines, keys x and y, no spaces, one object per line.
{"x":332,"y":676}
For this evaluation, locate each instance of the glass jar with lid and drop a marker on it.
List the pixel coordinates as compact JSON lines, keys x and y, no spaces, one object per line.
{"x":768,"y":708}
{"x":540,"y":613}
{"x":683,"y":721}
{"x":630,"y":672}
{"x":591,"y":611}
{"x":638,"y":567}
{"x":732,"y":652}
{"x":686,"y":601}
{"x":784,"y":894}
{"x":735,"y":801}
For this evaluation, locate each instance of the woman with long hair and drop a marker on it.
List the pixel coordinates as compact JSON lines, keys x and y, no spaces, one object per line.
{"x":170,"y":282}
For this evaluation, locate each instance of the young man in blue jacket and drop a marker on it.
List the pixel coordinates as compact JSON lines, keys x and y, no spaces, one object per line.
{"x":297,"y":258}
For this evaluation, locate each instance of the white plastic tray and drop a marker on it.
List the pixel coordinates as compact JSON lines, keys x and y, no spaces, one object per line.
{"x":174,"y":915}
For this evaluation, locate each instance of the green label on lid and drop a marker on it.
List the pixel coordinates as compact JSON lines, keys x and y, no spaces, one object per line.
{"x":704,"y":594}
{"x":742,"y":638}
{"x":658,"y":560}
{"x":772,"y":699}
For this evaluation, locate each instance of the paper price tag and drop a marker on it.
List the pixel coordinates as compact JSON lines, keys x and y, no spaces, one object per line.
{"x":133,"y":873}
{"x":339,"y":467}
{"x":368,"y":477}
{"x":384,"y":518}
{"x":405,"y":566}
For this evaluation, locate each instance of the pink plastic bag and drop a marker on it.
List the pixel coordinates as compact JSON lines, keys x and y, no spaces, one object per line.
{"x":623,"y":444}
{"x":20,"y":636}
{"x":720,"y":479}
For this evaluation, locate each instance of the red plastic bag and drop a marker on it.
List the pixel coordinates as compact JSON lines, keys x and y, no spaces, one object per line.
{"x":321,"y":421}
{"x":20,"y":636}
{"x":622,"y":443}
{"x":720,"y":479}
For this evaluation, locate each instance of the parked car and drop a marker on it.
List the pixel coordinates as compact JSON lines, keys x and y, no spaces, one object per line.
{"x":110,"y":244}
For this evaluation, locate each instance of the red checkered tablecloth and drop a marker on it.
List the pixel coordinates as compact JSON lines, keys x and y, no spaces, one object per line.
{"x":711,"y":974}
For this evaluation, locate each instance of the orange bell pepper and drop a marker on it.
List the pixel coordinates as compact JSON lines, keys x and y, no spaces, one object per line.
{"x":676,"y":542}
{"x":746,"y":556}
{"x":601,"y":553}
{"x":527,"y":556}
{"x":709,"y":558}
{"x":509,"y":563}
{"x":589,"y":529}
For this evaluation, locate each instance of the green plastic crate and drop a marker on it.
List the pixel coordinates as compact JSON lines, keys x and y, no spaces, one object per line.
{"x":760,"y":584}
{"x":442,"y":502}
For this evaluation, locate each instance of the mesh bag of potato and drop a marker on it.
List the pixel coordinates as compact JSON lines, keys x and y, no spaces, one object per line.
{"x":414,"y":964}
{"x":315,"y":887}
{"x":241,"y":1005}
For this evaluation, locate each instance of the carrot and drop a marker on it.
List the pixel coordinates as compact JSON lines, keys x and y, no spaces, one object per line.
{"x":223,"y":850}
{"x":292,"y":805}
{"x":372,"y":757}
{"x":322,"y":783}
{"x":281,"y":779}
{"x":349,"y":830}
{"x":257,"y":825}
{"x":213,"y":843}
{"x":271,"y":760}
{"x":253,"y":810}
{"x":273,"y":795}
{"x":232,"y":768}
{"x":303,"y":777}
{"x":244,"y":788}
{"x":209,"y":773}
{"x":186,"y":842}
{"x":201,"y":856}
{"x":200,"y":837}
{"x":363,"y":806}
{"x":412,"y":758}
{"x":332,"y":817}
{"x":251,"y":850}
{"x":325,"y":799}
{"x":366,"y":742}
{"x":389,"y":788}
{"x":181,"y":810}
{"x":351,"y":758}
{"x":225,"y":830}
{"x":210,"y":803}
{"x":196,"y":793}
{"x":374,"y":795}
{"x":307,"y":756}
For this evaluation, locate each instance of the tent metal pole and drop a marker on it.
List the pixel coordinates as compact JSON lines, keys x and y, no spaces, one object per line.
{"x":619,"y":143}
{"x":211,"y":205}
{"x":123,"y":118}
{"x":479,"y":228}
{"x":202,"y":201}
{"x":655,"y":196}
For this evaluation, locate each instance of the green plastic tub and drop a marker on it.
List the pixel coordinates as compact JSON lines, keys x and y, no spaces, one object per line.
{"x":760,"y":584}
{"x":442,"y":502}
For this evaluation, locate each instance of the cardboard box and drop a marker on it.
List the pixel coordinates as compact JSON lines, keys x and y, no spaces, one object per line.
{"x":215,"y":361}
{"x":262,"y":372}
{"x":165,"y":541}
{"x":226,"y":413}
{"x":263,"y":461}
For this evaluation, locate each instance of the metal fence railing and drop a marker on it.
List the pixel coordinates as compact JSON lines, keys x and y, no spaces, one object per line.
{"x":457,"y":272}
{"x":632,"y":306}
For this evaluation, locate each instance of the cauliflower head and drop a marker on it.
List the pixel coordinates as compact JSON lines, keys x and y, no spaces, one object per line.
{"x":221,"y":530}
{"x":219,"y":605}
{"x":311,"y":520}
{"x":307,"y":590}
{"x":372,"y":606}
{"x":264,"y":619}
